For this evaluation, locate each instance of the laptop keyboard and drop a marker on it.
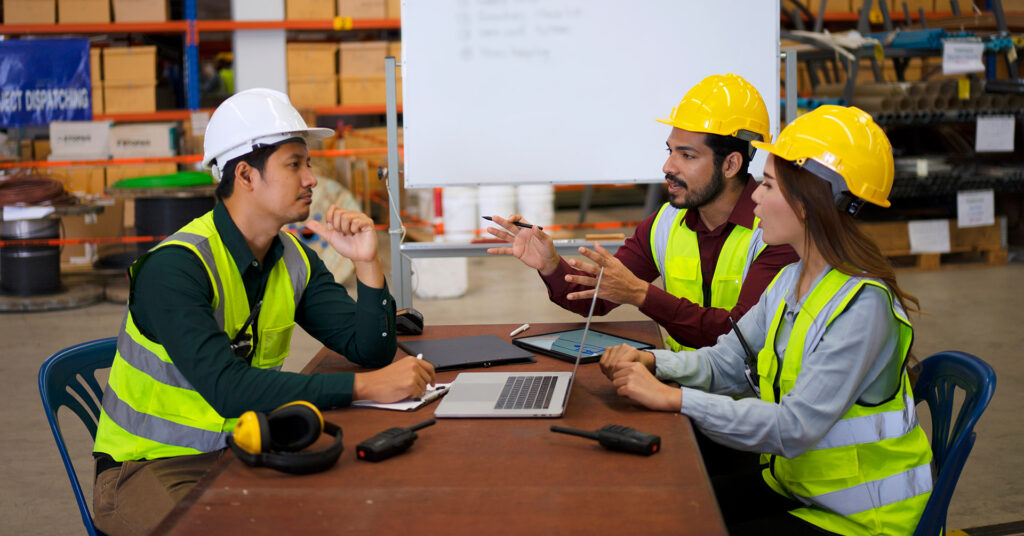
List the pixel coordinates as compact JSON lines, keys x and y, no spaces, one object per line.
{"x":526,"y":392}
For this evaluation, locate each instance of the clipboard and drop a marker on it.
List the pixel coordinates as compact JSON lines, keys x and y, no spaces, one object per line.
{"x":467,"y":352}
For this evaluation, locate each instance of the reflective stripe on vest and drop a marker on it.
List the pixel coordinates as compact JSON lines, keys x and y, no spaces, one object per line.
{"x":677,"y":257}
{"x":872,"y":467}
{"x":152,"y":411}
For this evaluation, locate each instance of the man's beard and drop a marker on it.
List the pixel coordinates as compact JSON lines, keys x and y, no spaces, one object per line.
{"x":702,"y":197}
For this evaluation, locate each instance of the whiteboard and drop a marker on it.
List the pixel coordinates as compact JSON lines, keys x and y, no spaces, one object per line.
{"x":566,"y":91}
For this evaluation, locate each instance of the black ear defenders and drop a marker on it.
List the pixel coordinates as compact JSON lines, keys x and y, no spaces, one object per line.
{"x":274,"y":440}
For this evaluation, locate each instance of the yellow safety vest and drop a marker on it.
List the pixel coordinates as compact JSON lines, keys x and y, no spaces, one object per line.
{"x":871,"y":473}
{"x":677,"y":256}
{"x":149,"y":409}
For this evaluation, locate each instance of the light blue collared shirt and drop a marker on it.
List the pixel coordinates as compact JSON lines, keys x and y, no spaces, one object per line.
{"x":857,"y":358}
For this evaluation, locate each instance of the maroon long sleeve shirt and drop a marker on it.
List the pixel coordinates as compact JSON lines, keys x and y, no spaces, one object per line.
{"x":687,"y":322}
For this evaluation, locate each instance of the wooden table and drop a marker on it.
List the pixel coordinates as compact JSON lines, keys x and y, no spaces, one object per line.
{"x":476,"y":476}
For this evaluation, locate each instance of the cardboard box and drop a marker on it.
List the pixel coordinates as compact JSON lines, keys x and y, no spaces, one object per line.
{"x":117,"y":173}
{"x":361,"y":59}
{"x":97,"y":97}
{"x":82,"y":180}
{"x":129,"y":64}
{"x":41,"y":149}
{"x":71,"y":140}
{"x":132,"y":140}
{"x":362,"y":90}
{"x":363,"y":9}
{"x":309,"y":9}
{"x":394,"y":9}
{"x":95,"y":65}
{"x":129,"y":97}
{"x":83,"y":11}
{"x":140,"y":10}
{"x":30,"y":11}
{"x":311,"y":59}
{"x":107,"y":224}
{"x":313,"y":91}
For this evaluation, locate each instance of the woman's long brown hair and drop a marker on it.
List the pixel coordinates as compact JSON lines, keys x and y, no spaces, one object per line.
{"x":841,"y":243}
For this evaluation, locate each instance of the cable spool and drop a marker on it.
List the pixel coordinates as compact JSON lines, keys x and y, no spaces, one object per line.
{"x":30,"y":270}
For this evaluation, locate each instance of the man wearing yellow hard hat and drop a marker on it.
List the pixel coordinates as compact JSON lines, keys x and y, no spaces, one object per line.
{"x":704,"y":242}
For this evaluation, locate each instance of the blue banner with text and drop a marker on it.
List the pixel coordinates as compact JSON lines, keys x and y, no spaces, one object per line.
{"x":44,"y":80}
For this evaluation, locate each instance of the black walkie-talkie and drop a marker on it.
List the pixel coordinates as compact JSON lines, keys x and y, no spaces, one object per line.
{"x":389,"y":442}
{"x":618,"y":437}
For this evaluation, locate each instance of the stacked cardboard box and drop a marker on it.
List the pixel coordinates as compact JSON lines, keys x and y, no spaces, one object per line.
{"x":30,"y":11}
{"x":140,"y":10}
{"x":362,"y":73}
{"x":363,"y":9}
{"x":312,"y":69}
{"x":129,"y":79}
{"x":309,"y":9}
{"x":80,"y":140}
{"x":95,"y":75}
{"x":83,"y":11}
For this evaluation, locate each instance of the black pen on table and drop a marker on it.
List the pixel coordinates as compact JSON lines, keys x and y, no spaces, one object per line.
{"x":516,"y":223}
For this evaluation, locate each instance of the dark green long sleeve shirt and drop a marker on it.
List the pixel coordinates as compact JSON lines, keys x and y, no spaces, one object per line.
{"x":171,"y":304}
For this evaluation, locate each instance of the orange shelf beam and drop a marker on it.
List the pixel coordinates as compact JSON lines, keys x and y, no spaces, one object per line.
{"x":336,"y":24}
{"x":159,"y":115}
{"x":183,"y":159}
{"x":181,"y":26}
{"x":373,"y":109}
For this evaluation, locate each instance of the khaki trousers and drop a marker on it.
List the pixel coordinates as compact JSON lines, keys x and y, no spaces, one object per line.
{"x":134,"y":498}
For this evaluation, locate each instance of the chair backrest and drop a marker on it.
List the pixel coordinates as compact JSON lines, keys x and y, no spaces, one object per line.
{"x":939,"y":377}
{"x":73,"y":370}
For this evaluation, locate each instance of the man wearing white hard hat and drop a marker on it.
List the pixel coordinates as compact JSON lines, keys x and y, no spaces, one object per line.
{"x":211,"y":312}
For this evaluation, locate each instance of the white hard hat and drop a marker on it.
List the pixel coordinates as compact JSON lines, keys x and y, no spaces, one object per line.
{"x":249,"y":118}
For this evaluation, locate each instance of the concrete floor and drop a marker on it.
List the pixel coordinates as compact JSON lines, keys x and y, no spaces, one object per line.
{"x":975,"y":310}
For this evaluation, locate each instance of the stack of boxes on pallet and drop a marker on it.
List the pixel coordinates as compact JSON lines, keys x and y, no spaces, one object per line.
{"x":129,"y":79}
{"x":312,"y":74}
{"x":356,"y":9}
{"x":83,"y":11}
{"x":362,"y":73}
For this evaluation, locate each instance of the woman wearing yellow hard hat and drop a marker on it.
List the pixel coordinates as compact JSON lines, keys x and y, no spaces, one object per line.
{"x":822,"y":356}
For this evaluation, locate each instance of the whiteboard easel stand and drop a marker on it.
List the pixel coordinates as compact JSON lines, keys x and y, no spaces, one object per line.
{"x":789,"y":57}
{"x":402,"y":254}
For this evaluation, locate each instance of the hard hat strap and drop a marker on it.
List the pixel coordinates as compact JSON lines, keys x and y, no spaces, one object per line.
{"x":845,"y":201}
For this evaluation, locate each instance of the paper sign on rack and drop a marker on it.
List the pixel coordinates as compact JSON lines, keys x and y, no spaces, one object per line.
{"x":994,"y":134}
{"x":928,"y":236}
{"x":975,"y":208}
{"x":959,"y":57}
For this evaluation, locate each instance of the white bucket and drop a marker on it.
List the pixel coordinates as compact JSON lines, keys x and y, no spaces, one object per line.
{"x":536,"y":203}
{"x":445,"y":277}
{"x":491,"y":200}
{"x":459,"y":213}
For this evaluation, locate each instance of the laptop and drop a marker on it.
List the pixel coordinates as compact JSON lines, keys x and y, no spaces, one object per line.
{"x":514,"y":394}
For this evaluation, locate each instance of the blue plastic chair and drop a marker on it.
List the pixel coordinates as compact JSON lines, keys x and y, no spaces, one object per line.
{"x":74,"y":370}
{"x":939,"y":377}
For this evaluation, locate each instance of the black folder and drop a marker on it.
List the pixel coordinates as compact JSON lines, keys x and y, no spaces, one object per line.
{"x":467,"y":352}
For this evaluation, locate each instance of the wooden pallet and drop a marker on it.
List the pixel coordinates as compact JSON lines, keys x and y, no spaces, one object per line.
{"x":969,"y":247}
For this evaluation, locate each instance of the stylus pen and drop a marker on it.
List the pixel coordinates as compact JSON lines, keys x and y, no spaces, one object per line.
{"x":519,"y":330}
{"x":516,"y":223}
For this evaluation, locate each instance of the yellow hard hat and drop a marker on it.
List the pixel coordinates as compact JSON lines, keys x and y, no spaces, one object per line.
{"x":843,"y":146}
{"x":724,"y":104}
